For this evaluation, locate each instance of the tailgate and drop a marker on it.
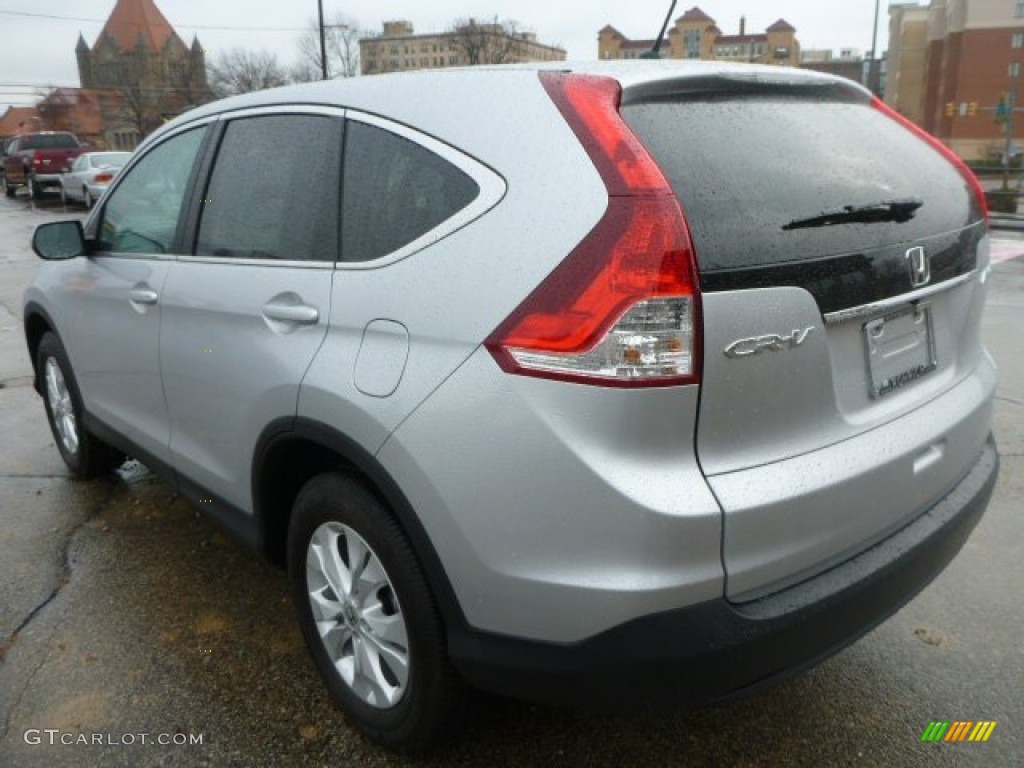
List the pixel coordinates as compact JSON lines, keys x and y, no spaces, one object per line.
{"x":841,"y":260}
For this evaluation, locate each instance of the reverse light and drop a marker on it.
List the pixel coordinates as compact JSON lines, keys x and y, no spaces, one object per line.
{"x":623,"y":308}
{"x":942,"y":149}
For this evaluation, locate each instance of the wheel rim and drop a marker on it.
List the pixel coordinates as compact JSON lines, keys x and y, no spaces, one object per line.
{"x":357,"y":615}
{"x":61,"y":408}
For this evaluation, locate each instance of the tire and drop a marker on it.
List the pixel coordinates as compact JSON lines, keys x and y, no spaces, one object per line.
{"x":85,"y":454}
{"x":8,"y":189}
{"x":87,"y":198}
{"x":406,"y":708}
{"x":34,"y":190}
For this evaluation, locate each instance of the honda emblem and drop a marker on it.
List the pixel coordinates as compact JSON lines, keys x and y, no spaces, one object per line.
{"x":920,"y":266}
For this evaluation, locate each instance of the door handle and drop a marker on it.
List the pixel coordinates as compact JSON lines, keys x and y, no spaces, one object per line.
{"x":300,"y":314}
{"x":143,"y":296}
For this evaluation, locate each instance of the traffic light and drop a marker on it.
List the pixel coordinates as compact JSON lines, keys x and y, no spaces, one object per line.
{"x":972,"y":109}
{"x":950,"y":109}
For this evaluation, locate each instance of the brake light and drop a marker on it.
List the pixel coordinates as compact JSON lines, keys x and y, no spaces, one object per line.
{"x":103,"y":178}
{"x":623,"y":309}
{"x":942,"y":149}
{"x":37,"y":159}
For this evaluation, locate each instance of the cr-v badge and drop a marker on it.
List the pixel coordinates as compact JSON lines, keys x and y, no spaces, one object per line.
{"x":771,"y":342}
{"x":920,"y":266}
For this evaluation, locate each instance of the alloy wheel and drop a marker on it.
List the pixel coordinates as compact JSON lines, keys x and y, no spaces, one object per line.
{"x":357,"y":615}
{"x":61,"y":407}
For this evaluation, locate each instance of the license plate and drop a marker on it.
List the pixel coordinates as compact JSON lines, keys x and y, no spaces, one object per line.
{"x":900,"y":348}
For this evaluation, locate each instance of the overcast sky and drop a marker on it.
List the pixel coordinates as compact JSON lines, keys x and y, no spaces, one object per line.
{"x":41,"y":51}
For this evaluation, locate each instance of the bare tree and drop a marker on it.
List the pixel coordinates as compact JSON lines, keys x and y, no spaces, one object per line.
{"x":241,"y":71}
{"x":341,"y":40}
{"x":489,"y":42}
{"x":140,"y":102}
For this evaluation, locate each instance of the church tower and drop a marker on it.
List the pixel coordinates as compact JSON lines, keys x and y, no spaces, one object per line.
{"x":144,"y":67}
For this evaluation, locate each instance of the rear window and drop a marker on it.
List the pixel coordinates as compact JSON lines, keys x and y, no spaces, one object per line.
{"x":114,"y":159}
{"x":752,"y":174}
{"x":394,"y":192}
{"x":55,"y":141}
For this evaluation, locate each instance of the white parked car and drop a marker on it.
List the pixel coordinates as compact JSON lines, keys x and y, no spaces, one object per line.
{"x":90,"y":175}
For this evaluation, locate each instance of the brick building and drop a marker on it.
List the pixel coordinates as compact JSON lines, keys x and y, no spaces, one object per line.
{"x":950,"y":63}
{"x":695,"y":35}
{"x":399,"y":48}
{"x":17,"y":120}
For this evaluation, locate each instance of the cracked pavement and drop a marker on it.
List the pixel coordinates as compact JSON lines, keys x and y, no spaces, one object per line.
{"x":124,"y":612}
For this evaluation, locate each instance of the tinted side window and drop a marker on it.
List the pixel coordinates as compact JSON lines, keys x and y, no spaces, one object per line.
{"x":141,"y":215}
{"x":394,"y":191}
{"x":274,"y":190}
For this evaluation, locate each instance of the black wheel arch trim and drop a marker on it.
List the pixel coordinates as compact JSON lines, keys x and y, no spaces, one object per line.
{"x":292,"y":428}
{"x":34,"y":309}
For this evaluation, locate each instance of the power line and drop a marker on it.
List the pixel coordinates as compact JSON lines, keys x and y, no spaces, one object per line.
{"x":188,"y":26}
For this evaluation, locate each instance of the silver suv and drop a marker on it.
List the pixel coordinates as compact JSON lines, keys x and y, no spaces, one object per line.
{"x":655,"y":382}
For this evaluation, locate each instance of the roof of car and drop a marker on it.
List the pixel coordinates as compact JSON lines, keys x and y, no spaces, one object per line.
{"x":407,"y":89}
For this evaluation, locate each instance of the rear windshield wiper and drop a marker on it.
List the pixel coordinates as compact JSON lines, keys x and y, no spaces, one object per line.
{"x":890,"y":210}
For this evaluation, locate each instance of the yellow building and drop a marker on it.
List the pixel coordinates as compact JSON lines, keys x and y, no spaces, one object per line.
{"x":695,"y":35}
{"x":398,"y":48}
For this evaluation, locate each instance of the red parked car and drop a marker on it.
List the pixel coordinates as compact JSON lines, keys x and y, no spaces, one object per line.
{"x":36,"y":160}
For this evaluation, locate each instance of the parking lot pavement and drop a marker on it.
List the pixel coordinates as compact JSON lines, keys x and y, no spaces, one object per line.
{"x":127,"y":618}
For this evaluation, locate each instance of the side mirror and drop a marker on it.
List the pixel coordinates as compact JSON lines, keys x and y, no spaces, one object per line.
{"x":59,"y":240}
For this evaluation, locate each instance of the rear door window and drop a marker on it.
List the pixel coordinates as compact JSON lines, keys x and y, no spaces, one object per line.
{"x":274,"y":190}
{"x":395,"y":191}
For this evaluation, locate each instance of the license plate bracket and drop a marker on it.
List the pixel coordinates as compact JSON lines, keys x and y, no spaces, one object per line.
{"x":900,"y":348}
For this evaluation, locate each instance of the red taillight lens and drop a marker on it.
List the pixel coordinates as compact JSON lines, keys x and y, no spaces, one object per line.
{"x":942,"y":149}
{"x":37,"y":159}
{"x":103,"y":178}
{"x":623,"y":308}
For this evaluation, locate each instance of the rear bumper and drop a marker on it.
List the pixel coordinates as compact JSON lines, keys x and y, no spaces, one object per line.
{"x":718,"y":649}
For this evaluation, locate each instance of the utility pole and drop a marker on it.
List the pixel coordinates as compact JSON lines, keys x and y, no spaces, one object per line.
{"x":871,"y":63}
{"x":1011,"y":103}
{"x":323,"y":42}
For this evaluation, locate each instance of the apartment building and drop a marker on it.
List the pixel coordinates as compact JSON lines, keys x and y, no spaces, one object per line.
{"x":399,"y":48}
{"x":951,"y":62}
{"x":695,"y":35}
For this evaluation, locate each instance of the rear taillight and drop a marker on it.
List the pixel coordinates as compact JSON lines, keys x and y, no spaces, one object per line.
{"x":37,"y":159}
{"x":103,"y":178}
{"x":942,"y":149}
{"x":623,"y":309}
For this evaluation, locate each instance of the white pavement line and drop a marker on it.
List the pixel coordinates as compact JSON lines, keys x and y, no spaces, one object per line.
{"x":1003,"y":251}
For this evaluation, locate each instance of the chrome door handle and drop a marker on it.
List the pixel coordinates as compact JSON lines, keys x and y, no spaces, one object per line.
{"x":301,"y":314}
{"x":143,"y":296}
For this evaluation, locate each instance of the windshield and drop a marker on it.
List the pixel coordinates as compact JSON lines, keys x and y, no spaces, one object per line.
{"x":51,"y":141}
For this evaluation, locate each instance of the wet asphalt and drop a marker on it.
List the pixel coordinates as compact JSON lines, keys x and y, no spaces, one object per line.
{"x":128,"y":619}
